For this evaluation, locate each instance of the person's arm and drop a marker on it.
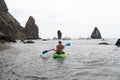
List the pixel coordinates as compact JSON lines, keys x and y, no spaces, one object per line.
{"x":55,"y":49}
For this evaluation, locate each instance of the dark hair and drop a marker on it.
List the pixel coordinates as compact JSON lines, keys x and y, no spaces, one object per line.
{"x":59,"y":42}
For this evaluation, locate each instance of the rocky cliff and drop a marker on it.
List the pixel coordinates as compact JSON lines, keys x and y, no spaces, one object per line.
{"x":31,"y":29}
{"x":8,"y":24}
{"x":96,"y":34}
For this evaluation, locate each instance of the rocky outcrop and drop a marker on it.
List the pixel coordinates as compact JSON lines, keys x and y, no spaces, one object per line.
{"x":7,"y":38}
{"x":1,"y":34}
{"x":4,"y":38}
{"x":104,"y":43}
{"x":3,"y":6}
{"x":31,"y":29}
{"x":59,"y":34}
{"x":27,"y":41}
{"x":96,"y":34}
{"x":118,"y":43}
{"x":8,"y":24}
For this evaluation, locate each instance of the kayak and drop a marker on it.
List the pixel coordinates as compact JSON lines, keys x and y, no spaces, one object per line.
{"x":56,"y":55}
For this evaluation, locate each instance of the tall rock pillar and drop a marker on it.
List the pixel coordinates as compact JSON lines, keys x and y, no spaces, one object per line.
{"x":31,"y":29}
{"x":96,"y":34}
{"x":59,"y":34}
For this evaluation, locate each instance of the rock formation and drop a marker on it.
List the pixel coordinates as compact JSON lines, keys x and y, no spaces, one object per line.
{"x":96,"y":34}
{"x":31,"y":29}
{"x":118,"y":43}
{"x":59,"y":34}
{"x":1,"y":34}
{"x":9,"y":26}
{"x":104,"y":43}
{"x":28,"y":41}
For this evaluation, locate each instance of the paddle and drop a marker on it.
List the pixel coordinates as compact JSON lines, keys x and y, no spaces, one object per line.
{"x":46,"y":51}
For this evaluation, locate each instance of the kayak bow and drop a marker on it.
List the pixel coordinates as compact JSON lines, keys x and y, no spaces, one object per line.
{"x":56,"y":55}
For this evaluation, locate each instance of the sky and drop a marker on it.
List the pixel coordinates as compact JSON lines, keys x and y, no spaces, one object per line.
{"x":74,"y":18}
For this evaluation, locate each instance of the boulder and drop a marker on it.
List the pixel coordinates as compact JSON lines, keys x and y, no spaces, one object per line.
{"x":118,"y":43}
{"x":1,"y":34}
{"x":96,"y":34}
{"x":104,"y":43}
{"x":44,"y":39}
{"x":28,"y":41}
{"x":31,"y":29}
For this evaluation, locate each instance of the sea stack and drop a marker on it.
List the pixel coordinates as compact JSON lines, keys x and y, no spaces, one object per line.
{"x":118,"y":43}
{"x":96,"y":34}
{"x":59,"y":34}
{"x":9,"y":26}
{"x":31,"y":29}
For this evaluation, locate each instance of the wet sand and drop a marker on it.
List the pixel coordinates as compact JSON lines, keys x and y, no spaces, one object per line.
{"x":8,"y":54}
{"x":4,"y":47}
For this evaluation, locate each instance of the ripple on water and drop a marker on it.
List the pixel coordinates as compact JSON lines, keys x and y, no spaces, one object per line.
{"x":85,"y":61}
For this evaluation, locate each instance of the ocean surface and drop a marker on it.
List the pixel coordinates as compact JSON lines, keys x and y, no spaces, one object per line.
{"x":86,"y":60}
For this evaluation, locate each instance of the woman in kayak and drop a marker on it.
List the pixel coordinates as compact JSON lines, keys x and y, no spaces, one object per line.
{"x":59,"y":48}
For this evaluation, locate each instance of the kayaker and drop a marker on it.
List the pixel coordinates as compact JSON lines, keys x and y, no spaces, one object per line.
{"x":59,"y":48}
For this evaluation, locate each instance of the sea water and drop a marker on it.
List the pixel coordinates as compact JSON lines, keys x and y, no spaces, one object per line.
{"x":86,"y":60}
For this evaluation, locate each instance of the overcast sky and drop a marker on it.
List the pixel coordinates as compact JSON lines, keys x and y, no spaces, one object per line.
{"x":75,"y":18}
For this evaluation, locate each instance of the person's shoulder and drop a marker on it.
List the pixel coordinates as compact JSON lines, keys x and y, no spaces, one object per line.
{"x":57,"y":45}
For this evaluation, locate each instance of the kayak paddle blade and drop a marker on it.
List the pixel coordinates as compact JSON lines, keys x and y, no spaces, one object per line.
{"x":45,"y":51}
{"x":68,"y":44}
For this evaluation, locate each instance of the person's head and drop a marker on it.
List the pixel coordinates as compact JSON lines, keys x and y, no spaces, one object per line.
{"x":60,"y":42}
